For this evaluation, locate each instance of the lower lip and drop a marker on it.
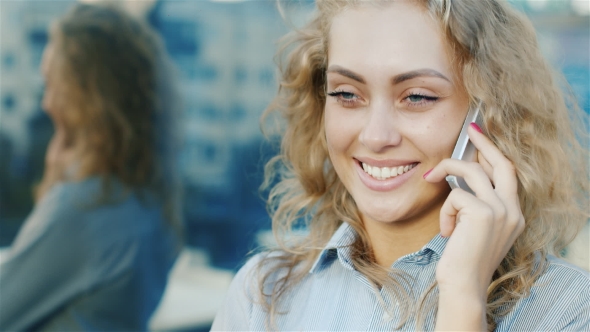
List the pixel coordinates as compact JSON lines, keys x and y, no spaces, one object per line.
{"x":383,"y":185}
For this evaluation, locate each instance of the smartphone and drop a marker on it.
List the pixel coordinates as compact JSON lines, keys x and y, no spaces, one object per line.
{"x":464,"y":149}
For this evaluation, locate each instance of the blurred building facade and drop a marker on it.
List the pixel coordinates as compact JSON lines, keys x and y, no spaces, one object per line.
{"x":224,"y":55}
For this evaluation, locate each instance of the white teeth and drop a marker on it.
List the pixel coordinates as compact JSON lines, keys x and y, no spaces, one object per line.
{"x":376,"y":172}
{"x":382,"y":173}
{"x":394,"y":171}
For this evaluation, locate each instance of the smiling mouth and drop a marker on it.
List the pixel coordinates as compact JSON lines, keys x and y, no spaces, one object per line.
{"x":384,"y":173}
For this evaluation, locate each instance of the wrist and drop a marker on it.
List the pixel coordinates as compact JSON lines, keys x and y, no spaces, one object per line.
{"x":463,"y":296}
{"x":461,"y":310}
{"x":472,"y":290}
{"x":472,"y":286}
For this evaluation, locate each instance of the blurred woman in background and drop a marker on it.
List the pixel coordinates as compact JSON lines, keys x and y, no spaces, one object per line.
{"x":95,"y":252}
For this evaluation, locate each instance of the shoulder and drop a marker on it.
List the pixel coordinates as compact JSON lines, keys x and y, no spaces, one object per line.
{"x":74,"y":210}
{"x":105,"y":205}
{"x":563,"y":274}
{"x":68,"y":197}
{"x":562,"y":296}
{"x":244,"y":285}
{"x":561,"y":282}
{"x":558,"y":300}
{"x":564,"y":280}
{"x":77,"y":190}
{"x":93,"y":192}
{"x":248,"y":277}
{"x":236,"y":311}
{"x":563,"y":265}
{"x":244,"y":302}
{"x":55,"y":213}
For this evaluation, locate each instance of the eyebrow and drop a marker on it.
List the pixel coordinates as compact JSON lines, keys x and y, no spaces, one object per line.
{"x":345,"y":72}
{"x":418,"y":73}
{"x":426,"y":72}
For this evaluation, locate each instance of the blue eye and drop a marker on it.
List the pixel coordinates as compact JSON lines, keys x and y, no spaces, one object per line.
{"x":415,"y":98}
{"x":342,"y":94}
{"x":418,"y":98}
{"x":347,"y":99}
{"x":347,"y":95}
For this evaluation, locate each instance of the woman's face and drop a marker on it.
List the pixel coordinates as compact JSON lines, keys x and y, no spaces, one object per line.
{"x":393,"y":108}
{"x":50,"y":96}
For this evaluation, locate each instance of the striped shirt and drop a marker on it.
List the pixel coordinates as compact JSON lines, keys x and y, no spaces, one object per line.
{"x":335,"y":297}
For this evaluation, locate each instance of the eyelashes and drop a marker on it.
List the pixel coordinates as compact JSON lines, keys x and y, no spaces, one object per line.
{"x":345,"y":98}
{"x":350,"y":99}
{"x":419,"y":99}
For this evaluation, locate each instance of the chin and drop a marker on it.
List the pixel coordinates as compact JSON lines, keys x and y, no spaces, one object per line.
{"x":384,"y":214}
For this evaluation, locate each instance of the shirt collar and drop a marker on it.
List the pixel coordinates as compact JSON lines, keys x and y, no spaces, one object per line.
{"x":343,"y":238}
{"x":437,"y":245}
{"x":339,"y":246}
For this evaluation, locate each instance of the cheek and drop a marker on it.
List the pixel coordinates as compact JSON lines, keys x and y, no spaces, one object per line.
{"x":49,"y":103}
{"x":46,"y":102}
{"x":440,"y":136}
{"x":336,"y":132}
{"x":442,"y":143}
{"x":343,"y":126}
{"x":340,"y":137}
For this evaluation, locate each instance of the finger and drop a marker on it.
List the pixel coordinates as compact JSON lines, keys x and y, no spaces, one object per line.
{"x":503,"y":171}
{"x":487,"y":168}
{"x":449,"y":213}
{"x":471,"y":172}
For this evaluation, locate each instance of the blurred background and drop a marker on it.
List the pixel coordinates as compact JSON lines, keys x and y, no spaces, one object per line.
{"x":224,"y":53}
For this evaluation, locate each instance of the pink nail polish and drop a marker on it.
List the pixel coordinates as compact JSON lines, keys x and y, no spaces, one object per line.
{"x":426,"y":174}
{"x":476,"y":127}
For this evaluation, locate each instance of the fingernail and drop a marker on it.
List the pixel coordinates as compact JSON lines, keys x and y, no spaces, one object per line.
{"x":476,"y":127}
{"x":426,"y":174}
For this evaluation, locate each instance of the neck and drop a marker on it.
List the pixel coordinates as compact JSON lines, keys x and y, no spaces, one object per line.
{"x":392,"y":240}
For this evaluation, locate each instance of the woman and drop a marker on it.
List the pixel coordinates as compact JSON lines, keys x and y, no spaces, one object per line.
{"x":95,"y":252}
{"x":374,"y":95}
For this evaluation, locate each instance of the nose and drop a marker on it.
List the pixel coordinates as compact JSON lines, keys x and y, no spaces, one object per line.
{"x":380,"y":130}
{"x":46,"y":101}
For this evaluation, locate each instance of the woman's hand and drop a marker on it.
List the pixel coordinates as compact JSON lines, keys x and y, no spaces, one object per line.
{"x":55,"y":149}
{"x":59,"y":153}
{"x":482,"y":229}
{"x":58,"y":157}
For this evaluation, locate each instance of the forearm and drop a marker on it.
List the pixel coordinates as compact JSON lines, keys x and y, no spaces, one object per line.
{"x":45,"y":265}
{"x":460,"y":310}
